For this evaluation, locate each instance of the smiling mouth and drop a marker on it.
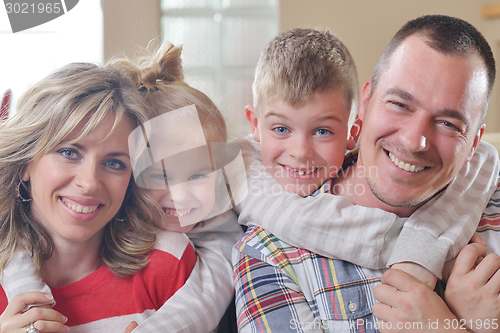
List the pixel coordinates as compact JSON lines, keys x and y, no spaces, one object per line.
{"x":301,"y":172}
{"x":176,"y":213}
{"x":405,"y":166}
{"x":80,"y":209}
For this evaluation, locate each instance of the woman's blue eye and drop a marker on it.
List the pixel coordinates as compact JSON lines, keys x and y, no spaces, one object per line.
{"x":68,"y":153}
{"x":281,"y":130}
{"x":115,"y":164}
{"x":323,"y":132}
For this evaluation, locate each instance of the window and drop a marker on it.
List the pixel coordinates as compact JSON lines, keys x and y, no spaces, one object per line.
{"x":222,"y":41}
{"x":30,"y":55}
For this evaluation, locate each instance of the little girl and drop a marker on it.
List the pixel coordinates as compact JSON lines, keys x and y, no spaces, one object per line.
{"x":179,"y":157}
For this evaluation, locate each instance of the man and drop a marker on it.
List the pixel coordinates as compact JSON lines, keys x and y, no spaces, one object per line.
{"x":422,"y":114}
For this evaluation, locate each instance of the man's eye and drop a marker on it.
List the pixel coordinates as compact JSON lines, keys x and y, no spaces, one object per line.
{"x":399,"y":105}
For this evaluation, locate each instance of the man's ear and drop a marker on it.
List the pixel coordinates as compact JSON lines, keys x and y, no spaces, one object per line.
{"x":354,"y":133}
{"x":251,"y":116}
{"x":477,"y":138}
{"x":366,"y":92}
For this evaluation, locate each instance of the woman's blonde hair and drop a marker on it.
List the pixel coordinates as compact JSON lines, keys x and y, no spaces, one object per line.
{"x":45,"y":115}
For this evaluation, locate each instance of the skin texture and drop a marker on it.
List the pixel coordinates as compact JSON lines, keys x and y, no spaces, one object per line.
{"x":425,"y":113}
{"x":188,"y":189}
{"x":472,"y":291}
{"x":308,"y":138}
{"x":94,"y":173}
{"x":431,"y":106}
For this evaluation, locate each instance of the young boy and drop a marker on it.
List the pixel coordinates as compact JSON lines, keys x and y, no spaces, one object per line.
{"x":305,"y":97}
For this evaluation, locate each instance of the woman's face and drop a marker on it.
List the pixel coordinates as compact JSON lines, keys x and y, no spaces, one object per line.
{"x":78,"y":188}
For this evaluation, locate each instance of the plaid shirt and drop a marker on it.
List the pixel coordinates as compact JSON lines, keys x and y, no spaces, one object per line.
{"x":281,"y":288}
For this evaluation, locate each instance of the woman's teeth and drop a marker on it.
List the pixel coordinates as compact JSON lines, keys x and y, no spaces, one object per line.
{"x":405,"y":166}
{"x":81,"y":209}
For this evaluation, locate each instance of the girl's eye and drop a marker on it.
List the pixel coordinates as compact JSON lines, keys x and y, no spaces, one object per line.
{"x":281,"y":130}
{"x":69,"y":153}
{"x":159,"y":176}
{"x":197,"y":176}
{"x":115,"y":164}
{"x":323,"y":132}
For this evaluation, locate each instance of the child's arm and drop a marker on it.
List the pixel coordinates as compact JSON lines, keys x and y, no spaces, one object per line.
{"x":329,"y":225}
{"x":19,"y":276}
{"x":438,"y":230}
{"x":200,"y":304}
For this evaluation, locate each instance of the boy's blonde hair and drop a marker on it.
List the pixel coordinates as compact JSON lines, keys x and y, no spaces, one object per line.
{"x":303,"y":63}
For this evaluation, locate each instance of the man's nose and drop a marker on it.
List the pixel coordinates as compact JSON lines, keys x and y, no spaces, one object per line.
{"x":415,"y":133}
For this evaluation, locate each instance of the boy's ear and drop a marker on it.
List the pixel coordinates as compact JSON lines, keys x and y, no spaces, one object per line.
{"x":251,"y":116}
{"x":366,"y":92}
{"x":477,"y":138}
{"x":354,"y":133}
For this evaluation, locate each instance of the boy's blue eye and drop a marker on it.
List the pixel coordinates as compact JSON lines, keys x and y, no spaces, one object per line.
{"x":281,"y":130}
{"x":323,"y":132}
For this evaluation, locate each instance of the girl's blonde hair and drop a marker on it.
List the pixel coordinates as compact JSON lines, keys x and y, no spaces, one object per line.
{"x":162,"y":83}
{"x":46,"y":114}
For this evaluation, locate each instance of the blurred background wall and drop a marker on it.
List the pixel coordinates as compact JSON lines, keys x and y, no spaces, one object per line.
{"x":365,"y":26}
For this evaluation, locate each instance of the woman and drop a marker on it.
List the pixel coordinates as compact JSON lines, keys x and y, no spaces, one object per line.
{"x":67,"y":200}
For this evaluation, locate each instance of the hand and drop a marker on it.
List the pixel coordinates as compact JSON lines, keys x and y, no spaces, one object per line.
{"x":409,"y":305}
{"x":419,"y":272}
{"x":448,"y":266}
{"x":131,"y":327}
{"x":44,"y":319}
{"x":472,"y":291}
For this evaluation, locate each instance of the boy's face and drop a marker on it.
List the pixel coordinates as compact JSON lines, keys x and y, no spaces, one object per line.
{"x":304,"y":145}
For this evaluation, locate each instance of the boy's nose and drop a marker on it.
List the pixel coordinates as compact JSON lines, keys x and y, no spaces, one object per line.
{"x":301,"y":148}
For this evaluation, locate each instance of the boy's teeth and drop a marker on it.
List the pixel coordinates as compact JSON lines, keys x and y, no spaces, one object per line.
{"x":299,"y":172}
{"x":405,"y":166}
{"x":81,"y":209}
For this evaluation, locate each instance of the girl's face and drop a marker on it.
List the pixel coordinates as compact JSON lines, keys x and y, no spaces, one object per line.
{"x":184,"y":185}
{"x":78,"y":188}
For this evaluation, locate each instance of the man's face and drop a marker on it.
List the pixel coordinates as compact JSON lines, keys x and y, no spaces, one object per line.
{"x":421,"y":124}
{"x":303,"y":145}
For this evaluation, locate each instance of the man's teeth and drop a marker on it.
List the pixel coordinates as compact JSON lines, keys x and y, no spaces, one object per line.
{"x":174,"y":213}
{"x":405,"y":166}
{"x":301,"y":173}
{"x":81,"y":209}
